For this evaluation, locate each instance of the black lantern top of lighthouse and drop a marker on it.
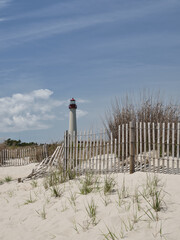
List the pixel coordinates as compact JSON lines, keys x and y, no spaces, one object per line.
{"x":72,"y":104}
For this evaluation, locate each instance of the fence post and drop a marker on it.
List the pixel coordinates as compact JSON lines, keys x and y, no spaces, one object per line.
{"x":65,"y":149}
{"x":132,"y":147}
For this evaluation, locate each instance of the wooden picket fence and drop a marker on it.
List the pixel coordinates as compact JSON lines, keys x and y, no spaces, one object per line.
{"x":149,"y":147}
{"x":22,"y":156}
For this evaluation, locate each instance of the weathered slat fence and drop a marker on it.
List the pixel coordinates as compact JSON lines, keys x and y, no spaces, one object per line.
{"x":151,"y":147}
{"x":22,"y":156}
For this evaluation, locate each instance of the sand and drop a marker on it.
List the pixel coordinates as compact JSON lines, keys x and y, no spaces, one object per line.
{"x":17,"y":171}
{"x":31,"y":212}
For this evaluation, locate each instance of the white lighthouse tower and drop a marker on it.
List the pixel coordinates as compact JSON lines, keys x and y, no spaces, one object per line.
{"x":72,"y":117}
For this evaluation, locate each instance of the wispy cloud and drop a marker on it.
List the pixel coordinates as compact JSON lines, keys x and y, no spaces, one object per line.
{"x":141,"y":40}
{"x":80,"y":100}
{"x":128,"y":9}
{"x":4,"y":3}
{"x":46,"y":28}
{"x":2,"y":19}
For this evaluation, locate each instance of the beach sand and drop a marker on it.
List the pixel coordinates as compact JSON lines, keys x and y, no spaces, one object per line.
{"x":31,"y":212}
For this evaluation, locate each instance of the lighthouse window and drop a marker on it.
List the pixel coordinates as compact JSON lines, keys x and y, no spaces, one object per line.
{"x":72,"y":102}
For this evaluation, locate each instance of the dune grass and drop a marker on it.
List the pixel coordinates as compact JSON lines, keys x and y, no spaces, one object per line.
{"x":30,"y":200}
{"x":42,"y":213}
{"x":91,"y":210}
{"x":109,"y":184}
{"x":8,"y":179}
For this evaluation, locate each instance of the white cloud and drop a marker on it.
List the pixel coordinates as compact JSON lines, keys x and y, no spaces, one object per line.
{"x":29,"y":111}
{"x":80,"y":100}
{"x":42,"y":93}
{"x":32,"y":111}
{"x":81,"y":113}
{"x":4,"y":3}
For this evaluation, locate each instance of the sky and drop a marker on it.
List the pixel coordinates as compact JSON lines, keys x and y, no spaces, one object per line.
{"x":94,"y":51}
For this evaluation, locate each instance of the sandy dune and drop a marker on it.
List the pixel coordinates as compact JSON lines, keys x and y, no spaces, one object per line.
{"x":32,"y":212}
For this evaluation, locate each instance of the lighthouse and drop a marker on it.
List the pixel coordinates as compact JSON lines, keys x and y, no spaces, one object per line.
{"x":72,"y":117}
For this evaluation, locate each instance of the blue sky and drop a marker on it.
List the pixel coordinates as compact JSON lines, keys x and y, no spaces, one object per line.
{"x":94,"y":51}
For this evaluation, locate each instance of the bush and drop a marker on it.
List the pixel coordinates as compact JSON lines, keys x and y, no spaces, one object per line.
{"x":148,"y":107}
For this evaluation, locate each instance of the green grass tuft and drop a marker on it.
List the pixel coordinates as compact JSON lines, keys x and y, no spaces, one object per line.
{"x":30,"y":200}
{"x":108,"y":185}
{"x":91,"y":210}
{"x":8,"y":179}
{"x":42,"y":213}
{"x":56,"y":191}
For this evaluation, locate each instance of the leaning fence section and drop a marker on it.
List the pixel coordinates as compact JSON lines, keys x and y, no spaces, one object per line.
{"x":22,"y":156}
{"x":149,"y":147}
